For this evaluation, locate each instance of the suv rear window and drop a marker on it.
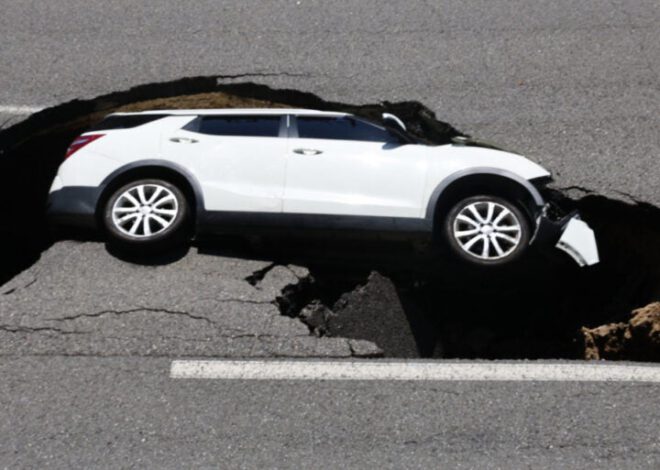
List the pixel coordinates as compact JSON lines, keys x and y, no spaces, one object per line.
{"x":248,"y":126}
{"x":341,"y":128}
{"x":125,"y":122}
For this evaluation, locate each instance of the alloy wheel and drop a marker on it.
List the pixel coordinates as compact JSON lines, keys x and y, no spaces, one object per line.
{"x":487,"y":230}
{"x":145,"y":210}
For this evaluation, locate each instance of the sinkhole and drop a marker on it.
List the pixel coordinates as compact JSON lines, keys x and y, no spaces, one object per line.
{"x":409,"y":303}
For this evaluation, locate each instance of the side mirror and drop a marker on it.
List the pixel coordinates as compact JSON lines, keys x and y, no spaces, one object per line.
{"x":391,"y":118}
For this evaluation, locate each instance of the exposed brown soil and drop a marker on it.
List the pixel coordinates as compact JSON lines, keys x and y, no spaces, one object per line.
{"x":638,"y":339}
{"x":213,"y":100}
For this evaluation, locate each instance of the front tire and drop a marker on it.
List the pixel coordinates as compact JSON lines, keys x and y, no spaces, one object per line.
{"x":146,"y":213}
{"x":487,"y":230}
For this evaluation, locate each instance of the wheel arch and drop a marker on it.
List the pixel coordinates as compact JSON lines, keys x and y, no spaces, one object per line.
{"x":483,"y":181}
{"x":172,"y":172}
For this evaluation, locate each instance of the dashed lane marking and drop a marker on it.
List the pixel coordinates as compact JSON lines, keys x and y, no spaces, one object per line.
{"x":412,"y":371}
{"x":19,"y":110}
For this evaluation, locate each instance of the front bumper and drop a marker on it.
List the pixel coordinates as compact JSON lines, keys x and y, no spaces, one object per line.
{"x":569,"y":234}
{"x":73,"y":206}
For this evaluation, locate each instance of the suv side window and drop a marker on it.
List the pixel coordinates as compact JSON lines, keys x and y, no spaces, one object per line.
{"x":341,"y":128}
{"x":246,"y":126}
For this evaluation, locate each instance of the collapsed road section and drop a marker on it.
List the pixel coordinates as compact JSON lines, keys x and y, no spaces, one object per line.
{"x":354,"y":298}
{"x":79,"y":299}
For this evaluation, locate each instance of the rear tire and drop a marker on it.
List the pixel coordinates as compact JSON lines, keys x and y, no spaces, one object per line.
{"x":486,"y":230}
{"x":146,"y":213}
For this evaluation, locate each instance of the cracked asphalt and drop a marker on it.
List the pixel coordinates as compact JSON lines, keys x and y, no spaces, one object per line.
{"x":86,"y":339}
{"x":198,"y":305}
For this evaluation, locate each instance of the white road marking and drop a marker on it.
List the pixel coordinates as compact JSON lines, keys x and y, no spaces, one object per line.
{"x":19,"y":110}
{"x":411,"y":370}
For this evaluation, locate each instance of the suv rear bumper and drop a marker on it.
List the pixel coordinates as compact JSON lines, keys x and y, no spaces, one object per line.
{"x":73,"y":206}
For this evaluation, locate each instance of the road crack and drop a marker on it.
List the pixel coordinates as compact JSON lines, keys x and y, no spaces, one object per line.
{"x":38,"y":329}
{"x":14,"y":289}
{"x":130,"y":311}
{"x":220,"y":78}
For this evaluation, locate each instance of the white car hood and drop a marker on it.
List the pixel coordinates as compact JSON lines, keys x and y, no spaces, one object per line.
{"x":480,"y":157}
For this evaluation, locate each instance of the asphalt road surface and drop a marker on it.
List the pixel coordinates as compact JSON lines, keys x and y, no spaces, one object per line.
{"x":571,"y":83}
{"x":87,"y":340}
{"x":87,"y":343}
{"x":127,"y":413}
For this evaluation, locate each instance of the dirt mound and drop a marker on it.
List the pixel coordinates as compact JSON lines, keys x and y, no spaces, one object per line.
{"x":635,"y":340}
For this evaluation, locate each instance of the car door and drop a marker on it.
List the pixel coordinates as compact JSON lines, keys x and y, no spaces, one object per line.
{"x":240,"y":160}
{"x":341,"y":165}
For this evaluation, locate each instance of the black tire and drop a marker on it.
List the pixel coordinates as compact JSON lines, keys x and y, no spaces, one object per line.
{"x":170,"y":205}
{"x":480,"y":242}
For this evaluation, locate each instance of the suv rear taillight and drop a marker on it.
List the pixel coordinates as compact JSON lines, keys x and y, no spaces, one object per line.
{"x":80,"y":142}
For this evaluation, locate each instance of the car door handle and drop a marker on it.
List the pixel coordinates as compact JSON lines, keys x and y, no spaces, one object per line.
{"x":183,"y":140}
{"x":307,"y":151}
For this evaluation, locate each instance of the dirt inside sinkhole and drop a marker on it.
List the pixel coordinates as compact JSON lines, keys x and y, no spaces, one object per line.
{"x":409,"y":302}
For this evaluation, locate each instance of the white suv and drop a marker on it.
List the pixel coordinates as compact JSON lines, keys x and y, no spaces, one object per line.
{"x":147,"y":178}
